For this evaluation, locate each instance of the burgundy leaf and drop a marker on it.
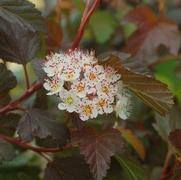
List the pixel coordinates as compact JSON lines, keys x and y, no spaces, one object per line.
{"x":175,"y":138}
{"x":97,"y":148}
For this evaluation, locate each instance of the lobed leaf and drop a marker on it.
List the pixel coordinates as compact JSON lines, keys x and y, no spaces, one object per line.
{"x":19,"y":41}
{"x":97,"y":148}
{"x":8,"y":123}
{"x":153,"y":32}
{"x":25,"y":10}
{"x":70,"y":168}
{"x":7,"y":79}
{"x":165,"y":125}
{"x":152,"y":92}
{"x":38,"y":123}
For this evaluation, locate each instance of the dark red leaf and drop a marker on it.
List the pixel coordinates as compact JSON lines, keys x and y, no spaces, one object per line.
{"x":19,"y":41}
{"x":8,"y":123}
{"x":70,"y":168}
{"x":152,"y":32}
{"x":41,"y":124}
{"x":175,"y":138}
{"x":97,"y":148}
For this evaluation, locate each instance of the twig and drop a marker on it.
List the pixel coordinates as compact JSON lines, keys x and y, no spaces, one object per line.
{"x":84,"y":21}
{"x":45,"y":157}
{"x":166,"y":165}
{"x":26,"y":146}
{"x":26,"y":77}
{"x":15,"y":104}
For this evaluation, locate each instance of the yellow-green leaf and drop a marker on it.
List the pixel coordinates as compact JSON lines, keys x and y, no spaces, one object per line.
{"x":134,"y":141}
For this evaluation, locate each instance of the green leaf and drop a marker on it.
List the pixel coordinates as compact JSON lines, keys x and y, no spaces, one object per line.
{"x":26,"y":10}
{"x":19,"y":42}
{"x":38,"y":123}
{"x":103,"y":25}
{"x":165,"y":72}
{"x":20,"y":173}
{"x":7,"y":152}
{"x":70,"y":168}
{"x":7,"y":79}
{"x":8,"y":123}
{"x":132,"y":169}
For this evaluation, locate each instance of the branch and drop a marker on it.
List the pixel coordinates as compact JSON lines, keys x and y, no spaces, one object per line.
{"x":26,"y":77}
{"x":15,"y":104}
{"x":84,"y":21}
{"x":166,"y":165}
{"x":26,"y":146}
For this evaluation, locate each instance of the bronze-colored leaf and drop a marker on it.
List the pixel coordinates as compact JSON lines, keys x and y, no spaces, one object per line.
{"x":154,"y":93}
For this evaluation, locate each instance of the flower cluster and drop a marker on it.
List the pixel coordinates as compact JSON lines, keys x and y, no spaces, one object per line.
{"x":83,"y":86}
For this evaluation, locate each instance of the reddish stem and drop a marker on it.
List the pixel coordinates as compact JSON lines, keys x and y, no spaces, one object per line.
{"x":26,"y":76}
{"x":166,"y":165}
{"x":15,"y":104}
{"x":85,"y":19}
{"x":24,"y":145}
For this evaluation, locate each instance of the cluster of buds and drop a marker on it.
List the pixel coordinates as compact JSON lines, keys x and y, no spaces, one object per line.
{"x":83,"y":86}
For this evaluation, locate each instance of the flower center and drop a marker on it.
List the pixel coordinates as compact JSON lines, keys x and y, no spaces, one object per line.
{"x":55,"y":88}
{"x":80,"y":87}
{"x":69,"y":75}
{"x":102,"y":103}
{"x":105,"y":89}
{"x":69,"y":100}
{"x":92,"y":76}
{"x":87,"y":110}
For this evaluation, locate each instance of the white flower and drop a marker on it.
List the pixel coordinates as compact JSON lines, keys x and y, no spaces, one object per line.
{"x":70,"y":74}
{"x":80,"y":87}
{"x":69,"y":101}
{"x":83,"y":86}
{"x":52,"y":65}
{"x":53,"y":85}
{"x":93,"y":74}
{"x":111,"y":75}
{"x":87,"y":110}
{"x":122,"y":107}
{"x":104,"y":105}
{"x":105,"y":88}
